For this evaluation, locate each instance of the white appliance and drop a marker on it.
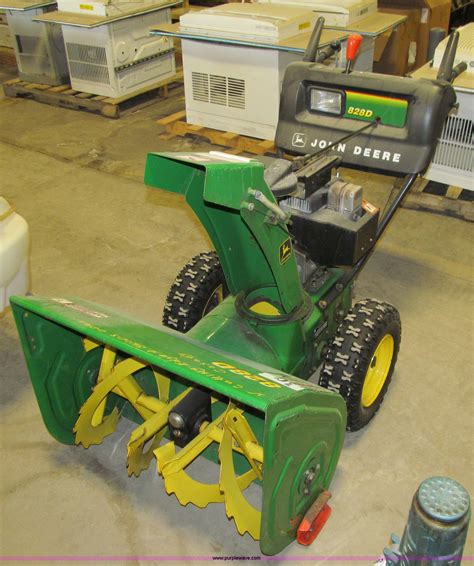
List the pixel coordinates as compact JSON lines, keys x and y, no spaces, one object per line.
{"x":453,"y":161}
{"x":39,"y":48}
{"x":119,"y":58}
{"x":249,"y":21}
{"x":339,"y":13}
{"x":103,"y":7}
{"x":234,"y":87}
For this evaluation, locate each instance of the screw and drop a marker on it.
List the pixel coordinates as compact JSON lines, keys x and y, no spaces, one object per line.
{"x":339,"y":286}
{"x":322,"y":304}
{"x":309,"y":476}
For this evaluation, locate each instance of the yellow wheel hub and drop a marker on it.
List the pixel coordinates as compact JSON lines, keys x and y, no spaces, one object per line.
{"x":378,"y":370}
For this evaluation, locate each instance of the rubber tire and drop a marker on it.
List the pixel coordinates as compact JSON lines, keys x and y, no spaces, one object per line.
{"x":350,"y":353}
{"x":191,"y":291}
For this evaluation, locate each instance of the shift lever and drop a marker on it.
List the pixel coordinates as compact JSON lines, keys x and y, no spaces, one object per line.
{"x":353,"y":45}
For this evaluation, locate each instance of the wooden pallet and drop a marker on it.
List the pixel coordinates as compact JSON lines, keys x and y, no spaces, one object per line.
{"x":176,"y":125}
{"x":441,"y":199}
{"x":179,"y":10}
{"x":7,"y":57}
{"x":66,"y":97}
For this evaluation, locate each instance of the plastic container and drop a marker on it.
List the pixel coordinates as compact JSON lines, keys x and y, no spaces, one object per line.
{"x":14,"y":248}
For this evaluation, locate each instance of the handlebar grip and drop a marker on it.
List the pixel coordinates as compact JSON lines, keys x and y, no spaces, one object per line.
{"x":458,"y":69}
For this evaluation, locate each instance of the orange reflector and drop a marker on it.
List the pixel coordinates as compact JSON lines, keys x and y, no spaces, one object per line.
{"x":314,"y":520}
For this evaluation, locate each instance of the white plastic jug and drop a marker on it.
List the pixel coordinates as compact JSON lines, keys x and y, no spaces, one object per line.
{"x":14,"y":248}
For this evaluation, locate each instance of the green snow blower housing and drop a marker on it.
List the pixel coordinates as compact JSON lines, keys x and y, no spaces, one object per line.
{"x":246,"y":325}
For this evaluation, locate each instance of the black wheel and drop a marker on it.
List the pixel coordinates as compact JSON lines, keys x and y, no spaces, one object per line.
{"x":360,"y":360}
{"x":199,"y":287}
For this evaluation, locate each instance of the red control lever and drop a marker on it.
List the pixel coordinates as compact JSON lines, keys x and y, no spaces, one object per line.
{"x":353,"y":45}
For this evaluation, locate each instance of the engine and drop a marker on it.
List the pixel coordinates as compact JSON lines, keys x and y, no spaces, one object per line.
{"x":331,"y":223}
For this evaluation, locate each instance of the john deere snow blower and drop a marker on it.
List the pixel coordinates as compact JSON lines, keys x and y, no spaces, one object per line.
{"x":246,"y":325}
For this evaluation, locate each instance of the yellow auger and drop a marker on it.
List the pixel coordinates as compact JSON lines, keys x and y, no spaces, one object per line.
{"x":230,"y":431}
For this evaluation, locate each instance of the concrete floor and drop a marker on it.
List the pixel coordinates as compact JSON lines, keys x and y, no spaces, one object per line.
{"x":98,"y":233}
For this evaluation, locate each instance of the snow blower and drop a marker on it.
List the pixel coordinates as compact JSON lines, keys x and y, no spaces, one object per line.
{"x":246,"y":325}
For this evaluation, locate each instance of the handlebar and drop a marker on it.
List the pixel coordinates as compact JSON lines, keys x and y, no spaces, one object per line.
{"x":446,"y":68}
{"x":312,"y":48}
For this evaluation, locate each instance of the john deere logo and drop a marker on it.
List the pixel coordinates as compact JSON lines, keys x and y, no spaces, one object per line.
{"x":298,"y":140}
{"x":285,"y":250}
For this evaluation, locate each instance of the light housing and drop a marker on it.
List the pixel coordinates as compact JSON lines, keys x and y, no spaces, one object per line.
{"x":326,"y":101}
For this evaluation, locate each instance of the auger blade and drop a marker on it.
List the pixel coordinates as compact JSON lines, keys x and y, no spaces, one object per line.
{"x":246,"y":517}
{"x":153,"y":428}
{"x":86,"y":430}
{"x":171,"y":466}
{"x":137,"y":458}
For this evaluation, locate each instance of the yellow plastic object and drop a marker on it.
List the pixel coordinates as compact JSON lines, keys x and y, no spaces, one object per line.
{"x":379,"y":368}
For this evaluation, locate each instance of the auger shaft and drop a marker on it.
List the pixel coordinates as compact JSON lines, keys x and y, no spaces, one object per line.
{"x":254,"y":450}
{"x":154,"y":405}
{"x":148,"y":405}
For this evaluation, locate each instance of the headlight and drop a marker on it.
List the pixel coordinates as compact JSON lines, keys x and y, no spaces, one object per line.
{"x":328,"y":101}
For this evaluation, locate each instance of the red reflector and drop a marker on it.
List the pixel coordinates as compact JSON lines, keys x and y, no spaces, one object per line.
{"x":309,"y":530}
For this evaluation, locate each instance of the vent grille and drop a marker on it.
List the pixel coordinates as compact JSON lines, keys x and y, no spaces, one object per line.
{"x":88,"y":63}
{"x":218,"y":89}
{"x":200,"y":82}
{"x":236,"y":91}
{"x":455,"y":146}
{"x":87,"y":53}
